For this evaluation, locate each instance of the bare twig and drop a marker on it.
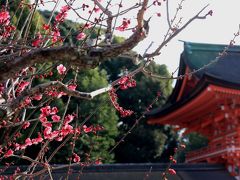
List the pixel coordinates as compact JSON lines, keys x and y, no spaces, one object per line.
{"x":140,"y":34}
{"x":157,"y":51}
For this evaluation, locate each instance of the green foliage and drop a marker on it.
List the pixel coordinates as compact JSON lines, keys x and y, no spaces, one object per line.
{"x":193,"y":141}
{"x":145,"y":143}
{"x":90,"y":80}
{"x":118,"y":40}
{"x":100,"y":112}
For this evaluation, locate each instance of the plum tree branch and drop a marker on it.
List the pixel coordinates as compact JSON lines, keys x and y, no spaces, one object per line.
{"x":83,"y":58}
{"x":167,"y":10}
{"x":10,"y":67}
{"x":140,"y":33}
{"x":109,"y":19}
{"x":60,"y":87}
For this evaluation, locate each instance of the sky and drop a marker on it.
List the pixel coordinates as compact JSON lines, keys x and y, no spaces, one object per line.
{"x":216,"y":29}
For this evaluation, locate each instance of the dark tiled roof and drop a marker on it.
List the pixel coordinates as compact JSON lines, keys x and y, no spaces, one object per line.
{"x":141,"y":171}
{"x":226,"y":68}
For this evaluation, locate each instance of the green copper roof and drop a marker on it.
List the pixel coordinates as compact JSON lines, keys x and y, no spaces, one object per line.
{"x":197,"y":55}
{"x":225,"y":68}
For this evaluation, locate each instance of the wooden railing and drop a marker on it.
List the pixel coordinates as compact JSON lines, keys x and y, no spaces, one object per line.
{"x":213,"y":151}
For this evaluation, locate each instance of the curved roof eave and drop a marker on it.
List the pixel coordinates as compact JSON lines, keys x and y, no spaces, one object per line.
{"x":202,"y":85}
{"x":225,"y":72}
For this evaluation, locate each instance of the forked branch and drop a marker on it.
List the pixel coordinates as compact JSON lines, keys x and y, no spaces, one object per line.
{"x":59,"y":87}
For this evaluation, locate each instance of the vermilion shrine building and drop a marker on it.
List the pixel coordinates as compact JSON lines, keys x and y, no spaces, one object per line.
{"x":207,"y":102}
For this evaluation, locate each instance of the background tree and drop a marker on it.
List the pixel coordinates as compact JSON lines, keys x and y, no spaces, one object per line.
{"x":96,"y":144}
{"x":193,"y":142}
{"x":146,"y":142}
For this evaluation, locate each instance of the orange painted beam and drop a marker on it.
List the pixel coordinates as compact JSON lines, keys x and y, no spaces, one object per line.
{"x":190,"y":110}
{"x":202,"y":98}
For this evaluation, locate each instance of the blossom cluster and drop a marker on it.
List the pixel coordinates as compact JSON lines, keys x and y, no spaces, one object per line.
{"x":48,"y":132}
{"x":37,"y":42}
{"x":48,"y":117}
{"x":5,"y":25}
{"x":123,"y":112}
{"x":125,"y":25}
{"x":54,"y":32}
{"x":54,"y":92}
{"x":63,"y":14}
{"x":126,"y":82}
